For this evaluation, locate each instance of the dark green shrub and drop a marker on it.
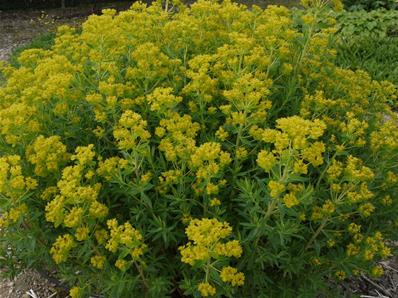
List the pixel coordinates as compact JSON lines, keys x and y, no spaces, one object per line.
{"x":370,"y":4}
{"x":378,"y":56}
{"x":369,"y":41}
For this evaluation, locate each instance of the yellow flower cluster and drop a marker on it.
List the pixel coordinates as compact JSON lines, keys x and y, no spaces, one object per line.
{"x":205,"y":244}
{"x":131,"y":131}
{"x":377,"y":271}
{"x":74,"y":217}
{"x":367,"y":247}
{"x":13,"y":184}
{"x":61,"y":248}
{"x":205,"y":235}
{"x":17,"y":123}
{"x":75,"y":292}
{"x":231,"y":275}
{"x":208,"y":160}
{"x":201,"y":83}
{"x":151,"y":64}
{"x":295,"y":147}
{"x":276,"y":188}
{"x":323,"y":212}
{"x":386,"y":137}
{"x":167,"y":179}
{"x":247,"y":92}
{"x":76,"y":195}
{"x":125,"y":237}
{"x":206,"y":289}
{"x":290,"y":200}
{"x":162,"y":100}
{"x":84,"y":155}
{"x":354,"y":130}
{"x":98,"y":261}
{"x":266,"y":160}
{"x":300,"y":130}
{"x":355,"y":170}
{"x":178,"y":136}
{"x":47,"y":154}
{"x":13,"y":215}
{"x":334,"y":170}
{"x":111,"y":168}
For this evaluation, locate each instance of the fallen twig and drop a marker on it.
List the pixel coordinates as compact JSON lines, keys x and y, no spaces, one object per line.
{"x":385,"y":291}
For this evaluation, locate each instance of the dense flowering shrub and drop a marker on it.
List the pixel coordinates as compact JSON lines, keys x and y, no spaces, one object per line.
{"x":212,"y":150}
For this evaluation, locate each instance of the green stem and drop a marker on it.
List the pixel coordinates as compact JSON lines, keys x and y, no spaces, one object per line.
{"x":324,"y":171}
{"x":320,"y":228}
{"x":142,"y":275}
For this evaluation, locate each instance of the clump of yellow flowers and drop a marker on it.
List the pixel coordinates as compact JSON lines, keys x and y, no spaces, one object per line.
{"x":209,"y":150}
{"x":206,"y":249}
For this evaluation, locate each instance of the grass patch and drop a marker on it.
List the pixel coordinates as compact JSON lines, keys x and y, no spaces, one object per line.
{"x":42,"y":41}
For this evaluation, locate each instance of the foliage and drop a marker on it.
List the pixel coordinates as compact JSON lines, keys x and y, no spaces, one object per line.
{"x":369,"y":41}
{"x":42,"y":41}
{"x":362,"y":24}
{"x":378,"y":56}
{"x":370,"y":4}
{"x":213,"y":151}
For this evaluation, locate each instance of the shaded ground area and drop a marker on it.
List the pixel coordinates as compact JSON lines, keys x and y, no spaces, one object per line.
{"x":383,"y":287}
{"x":30,"y":283}
{"x":18,"y":28}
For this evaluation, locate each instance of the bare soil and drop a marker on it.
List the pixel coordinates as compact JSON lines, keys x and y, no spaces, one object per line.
{"x":31,"y":283}
{"x":18,"y":28}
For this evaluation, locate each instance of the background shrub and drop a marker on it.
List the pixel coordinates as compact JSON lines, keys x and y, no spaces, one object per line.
{"x":369,"y":41}
{"x":370,"y":4}
{"x":38,"y":4}
{"x":213,"y":151}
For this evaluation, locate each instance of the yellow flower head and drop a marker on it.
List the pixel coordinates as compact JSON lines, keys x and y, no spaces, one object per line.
{"x":231,"y":275}
{"x":98,"y":261}
{"x":206,"y":289}
{"x":131,"y":131}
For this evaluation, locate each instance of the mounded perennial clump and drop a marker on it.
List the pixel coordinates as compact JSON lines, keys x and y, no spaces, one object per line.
{"x":209,"y":150}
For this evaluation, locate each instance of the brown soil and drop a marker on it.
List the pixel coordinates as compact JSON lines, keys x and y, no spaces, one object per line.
{"x":383,"y":287}
{"x":31,"y":283}
{"x":18,"y":28}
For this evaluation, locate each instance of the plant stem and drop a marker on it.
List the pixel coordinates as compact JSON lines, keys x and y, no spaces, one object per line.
{"x":141,"y":273}
{"x":320,"y":228}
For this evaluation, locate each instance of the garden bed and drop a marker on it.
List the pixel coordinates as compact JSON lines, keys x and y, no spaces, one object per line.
{"x":385,"y":286}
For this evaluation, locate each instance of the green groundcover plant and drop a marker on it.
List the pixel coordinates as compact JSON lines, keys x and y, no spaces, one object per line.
{"x":208,"y":150}
{"x":361,"y":24}
{"x":370,"y":4}
{"x":369,"y":41}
